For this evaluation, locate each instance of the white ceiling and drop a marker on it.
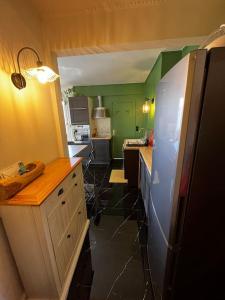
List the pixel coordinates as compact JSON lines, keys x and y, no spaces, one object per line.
{"x":107,"y":68}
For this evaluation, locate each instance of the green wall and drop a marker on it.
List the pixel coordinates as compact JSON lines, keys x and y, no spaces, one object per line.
{"x":134,"y":93}
{"x":112,"y":89}
{"x":165,"y":61}
{"x":111,"y":93}
{"x":150,"y":89}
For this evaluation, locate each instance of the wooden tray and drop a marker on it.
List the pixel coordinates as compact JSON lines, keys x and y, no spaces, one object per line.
{"x":10,"y":186}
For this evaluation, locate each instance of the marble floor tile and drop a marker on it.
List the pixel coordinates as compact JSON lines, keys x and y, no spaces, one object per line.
{"x":113,"y":263}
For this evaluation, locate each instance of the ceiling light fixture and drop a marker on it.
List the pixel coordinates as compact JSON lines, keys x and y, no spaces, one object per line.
{"x":42,"y":73}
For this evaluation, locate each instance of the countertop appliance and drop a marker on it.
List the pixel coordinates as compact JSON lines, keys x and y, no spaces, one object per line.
{"x":186,"y":242}
{"x":81,"y":132}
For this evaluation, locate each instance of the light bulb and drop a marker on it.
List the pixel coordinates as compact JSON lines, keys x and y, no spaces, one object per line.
{"x":41,"y":76}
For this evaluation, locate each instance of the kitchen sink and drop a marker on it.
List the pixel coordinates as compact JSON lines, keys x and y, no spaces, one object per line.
{"x":135,"y":143}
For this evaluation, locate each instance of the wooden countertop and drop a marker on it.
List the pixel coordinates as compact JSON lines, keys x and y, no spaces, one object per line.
{"x":74,"y":150}
{"x":108,"y":137}
{"x":38,"y":190}
{"x":146,"y":153}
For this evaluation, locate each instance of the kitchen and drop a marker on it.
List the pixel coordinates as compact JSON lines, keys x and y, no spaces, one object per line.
{"x":128,"y":205}
{"x":138,"y":155}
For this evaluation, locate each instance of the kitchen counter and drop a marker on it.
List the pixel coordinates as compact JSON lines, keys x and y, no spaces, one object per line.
{"x":74,"y":150}
{"x":145,"y":152}
{"x":39,"y":189}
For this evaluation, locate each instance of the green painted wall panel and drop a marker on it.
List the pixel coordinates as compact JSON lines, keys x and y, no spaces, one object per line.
{"x":150,"y":90}
{"x":113,"y":89}
{"x":169,"y":59}
{"x":165,"y":61}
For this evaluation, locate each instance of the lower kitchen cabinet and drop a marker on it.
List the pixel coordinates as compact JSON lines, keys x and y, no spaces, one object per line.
{"x":46,"y":237}
{"x":145,"y":179}
{"x":103,"y":151}
{"x":131,"y":166}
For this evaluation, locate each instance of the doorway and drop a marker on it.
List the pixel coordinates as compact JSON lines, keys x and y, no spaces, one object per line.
{"x":123,"y":123}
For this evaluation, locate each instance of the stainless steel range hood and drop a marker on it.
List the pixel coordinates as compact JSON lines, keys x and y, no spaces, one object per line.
{"x":100,"y":111}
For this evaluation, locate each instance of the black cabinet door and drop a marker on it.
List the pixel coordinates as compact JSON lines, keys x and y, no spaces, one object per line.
{"x":102,"y":151}
{"x":79,"y":110}
{"x":79,"y":116}
{"x":131,"y":166}
{"x":78,"y":102}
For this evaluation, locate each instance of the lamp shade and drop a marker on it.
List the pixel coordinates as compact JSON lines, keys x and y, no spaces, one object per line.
{"x":146,"y":107}
{"x":43,"y":74}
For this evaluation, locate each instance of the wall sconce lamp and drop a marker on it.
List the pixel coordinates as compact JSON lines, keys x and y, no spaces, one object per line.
{"x":42,"y":73}
{"x":146,"y":107}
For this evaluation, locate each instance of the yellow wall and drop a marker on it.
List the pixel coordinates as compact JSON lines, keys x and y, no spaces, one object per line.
{"x":28,"y":126}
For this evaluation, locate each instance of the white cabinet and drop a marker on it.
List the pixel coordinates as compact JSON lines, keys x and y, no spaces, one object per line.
{"x":46,"y":239}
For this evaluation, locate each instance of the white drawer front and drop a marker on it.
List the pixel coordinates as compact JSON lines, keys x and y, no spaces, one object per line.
{"x":75,"y":174}
{"x":65,"y":216}
{"x":58,"y":194}
{"x":81,"y":216}
{"x":65,"y":250}
{"x":60,"y":218}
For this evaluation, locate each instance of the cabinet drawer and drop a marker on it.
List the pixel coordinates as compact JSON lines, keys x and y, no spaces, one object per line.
{"x":60,"y":218}
{"x":65,"y":250}
{"x":75,"y":175}
{"x":81,"y":216}
{"x":59,"y":193}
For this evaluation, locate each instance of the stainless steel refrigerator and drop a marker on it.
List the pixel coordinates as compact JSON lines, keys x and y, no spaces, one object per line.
{"x":186,"y":241}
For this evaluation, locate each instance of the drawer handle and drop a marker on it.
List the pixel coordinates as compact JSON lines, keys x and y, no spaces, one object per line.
{"x":63,"y":202}
{"x":74,"y":175}
{"x":75,"y":184}
{"x":60,"y":192}
{"x":68,"y":236}
{"x":79,"y":212}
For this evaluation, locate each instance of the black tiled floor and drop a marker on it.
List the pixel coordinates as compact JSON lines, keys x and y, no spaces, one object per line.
{"x":113,"y":262}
